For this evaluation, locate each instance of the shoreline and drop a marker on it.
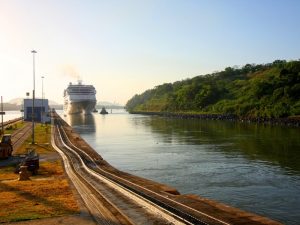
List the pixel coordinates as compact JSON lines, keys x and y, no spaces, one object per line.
{"x":195,"y":202}
{"x":292,"y":121}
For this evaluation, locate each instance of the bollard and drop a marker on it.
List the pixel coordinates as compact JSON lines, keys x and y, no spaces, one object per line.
{"x":23,"y":174}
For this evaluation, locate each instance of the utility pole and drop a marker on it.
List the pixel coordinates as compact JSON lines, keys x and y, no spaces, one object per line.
{"x":42,"y":111}
{"x":33,"y":95}
{"x":2,"y":113}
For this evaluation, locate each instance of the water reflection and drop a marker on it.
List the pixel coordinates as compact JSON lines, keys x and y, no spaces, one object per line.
{"x":249,"y":166}
{"x":278,"y":145}
{"x":252,"y":167}
{"x":82,"y":123}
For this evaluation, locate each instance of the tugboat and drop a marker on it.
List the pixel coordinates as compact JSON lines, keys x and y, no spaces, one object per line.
{"x":103,"y":111}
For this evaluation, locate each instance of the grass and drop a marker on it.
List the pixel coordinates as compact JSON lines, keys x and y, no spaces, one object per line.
{"x":7,"y":173}
{"x":14,"y":127}
{"x":42,"y":140}
{"x":35,"y":199}
{"x":47,"y":194}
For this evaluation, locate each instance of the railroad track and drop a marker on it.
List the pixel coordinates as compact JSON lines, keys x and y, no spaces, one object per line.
{"x":9,"y":122}
{"x":20,"y":135}
{"x":127,"y":201}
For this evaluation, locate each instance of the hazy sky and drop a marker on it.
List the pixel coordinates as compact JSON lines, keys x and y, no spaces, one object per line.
{"x":124,"y":47}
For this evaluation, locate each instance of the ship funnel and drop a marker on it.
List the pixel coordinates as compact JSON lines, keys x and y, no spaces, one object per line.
{"x":80,"y":82}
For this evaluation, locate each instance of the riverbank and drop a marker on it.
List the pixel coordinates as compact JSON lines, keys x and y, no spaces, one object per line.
{"x":195,"y":202}
{"x":292,"y":121}
{"x":43,"y":189}
{"x":249,"y":166}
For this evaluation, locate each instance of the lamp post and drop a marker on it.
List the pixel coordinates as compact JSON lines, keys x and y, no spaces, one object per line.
{"x":42,"y":111}
{"x":33,"y":95}
{"x":2,"y":113}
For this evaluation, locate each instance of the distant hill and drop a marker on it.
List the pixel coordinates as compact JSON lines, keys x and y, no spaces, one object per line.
{"x":109,"y":105}
{"x":19,"y":101}
{"x":10,"y":107}
{"x":16,"y":104}
{"x":267,"y":91}
{"x":16,"y":101}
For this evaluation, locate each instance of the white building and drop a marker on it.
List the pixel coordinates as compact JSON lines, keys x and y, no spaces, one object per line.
{"x":41,"y":110}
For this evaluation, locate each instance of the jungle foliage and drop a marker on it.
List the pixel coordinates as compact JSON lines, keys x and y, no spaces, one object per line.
{"x":266,"y":90}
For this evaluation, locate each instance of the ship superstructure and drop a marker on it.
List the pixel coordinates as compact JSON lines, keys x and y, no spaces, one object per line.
{"x":79,"y":98}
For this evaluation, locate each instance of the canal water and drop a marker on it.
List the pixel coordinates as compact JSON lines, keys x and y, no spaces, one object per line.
{"x":248,"y":166}
{"x":9,"y":115}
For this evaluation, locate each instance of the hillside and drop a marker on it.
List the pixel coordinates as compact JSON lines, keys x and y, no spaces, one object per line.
{"x":11,"y":107}
{"x":109,"y":105}
{"x":19,"y":102}
{"x":267,"y":90}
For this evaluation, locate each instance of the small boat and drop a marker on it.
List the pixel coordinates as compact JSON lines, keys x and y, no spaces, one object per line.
{"x":95,"y":110}
{"x":103,"y":111}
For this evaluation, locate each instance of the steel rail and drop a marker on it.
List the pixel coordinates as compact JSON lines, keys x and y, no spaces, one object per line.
{"x":6,"y":123}
{"x":124,"y":184}
{"x":121,"y":189}
{"x":82,"y":185}
{"x":16,"y":138}
{"x":116,"y":181}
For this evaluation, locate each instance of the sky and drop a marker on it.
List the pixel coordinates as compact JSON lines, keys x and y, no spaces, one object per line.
{"x":124,"y":47}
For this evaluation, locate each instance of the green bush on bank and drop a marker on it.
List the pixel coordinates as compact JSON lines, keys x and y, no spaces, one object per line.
{"x":267,"y":90}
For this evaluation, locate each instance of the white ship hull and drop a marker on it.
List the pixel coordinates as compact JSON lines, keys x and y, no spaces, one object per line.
{"x":79,"y":98}
{"x":77,"y":107}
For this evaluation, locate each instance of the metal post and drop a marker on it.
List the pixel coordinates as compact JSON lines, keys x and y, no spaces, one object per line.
{"x":42,"y":111}
{"x":2,"y":128}
{"x":33,"y":95}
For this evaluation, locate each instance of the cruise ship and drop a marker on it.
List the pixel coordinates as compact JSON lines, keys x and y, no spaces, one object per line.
{"x":79,"y":98}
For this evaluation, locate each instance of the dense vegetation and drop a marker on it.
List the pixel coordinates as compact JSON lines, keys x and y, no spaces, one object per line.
{"x":267,"y":90}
